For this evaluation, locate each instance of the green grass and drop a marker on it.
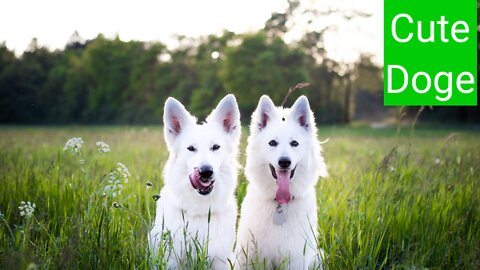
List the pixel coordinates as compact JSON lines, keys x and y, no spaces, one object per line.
{"x":394,"y":199}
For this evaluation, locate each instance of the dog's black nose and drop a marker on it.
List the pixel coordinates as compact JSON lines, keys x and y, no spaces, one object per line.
{"x":284,"y":162}
{"x":206,"y":172}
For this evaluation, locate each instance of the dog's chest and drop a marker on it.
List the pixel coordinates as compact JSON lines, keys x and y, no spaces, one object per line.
{"x":274,"y":225}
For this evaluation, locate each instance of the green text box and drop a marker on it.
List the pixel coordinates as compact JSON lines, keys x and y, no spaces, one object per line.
{"x":430,"y":57}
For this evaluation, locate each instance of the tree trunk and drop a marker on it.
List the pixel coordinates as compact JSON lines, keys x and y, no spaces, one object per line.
{"x":348,"y":99}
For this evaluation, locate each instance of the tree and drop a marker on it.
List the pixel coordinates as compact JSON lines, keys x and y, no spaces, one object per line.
{"x":23,"y":83}
{"x":75,"y":42}
{"x":261,"y":66}
{"x":8,"y":81}
{"x":177,"y":77}
{"x":208,"y":60}
{"x":106,"y":66}
{"x":333,"y":82}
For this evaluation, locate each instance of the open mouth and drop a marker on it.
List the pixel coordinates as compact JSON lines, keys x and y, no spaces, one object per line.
{"x":204,"y":190}
{"x":283,"y":178}
{"x":274,"y":172}
{"x":202,"y":185}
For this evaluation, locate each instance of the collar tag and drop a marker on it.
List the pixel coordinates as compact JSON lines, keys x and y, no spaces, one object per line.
{"x":279,"y":216}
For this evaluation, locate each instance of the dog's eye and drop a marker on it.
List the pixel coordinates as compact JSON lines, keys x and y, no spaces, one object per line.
{"x":215,"y":147}
{"x":294,"y":143}
{"x":273,"y":143}
{"x":191,"y":149}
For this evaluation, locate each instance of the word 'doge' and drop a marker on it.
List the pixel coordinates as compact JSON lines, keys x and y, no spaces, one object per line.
{"x":426,"y":32}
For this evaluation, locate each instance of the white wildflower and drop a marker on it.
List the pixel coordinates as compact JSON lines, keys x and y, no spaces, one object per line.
{"x":74,"y":145}
{"x":115,"y":179}
{"x":123,"y":171}
{"x":27,"y":209}
{"x":114,"y":187}
{"x":437,"y":161}
{"x":102,"y":147}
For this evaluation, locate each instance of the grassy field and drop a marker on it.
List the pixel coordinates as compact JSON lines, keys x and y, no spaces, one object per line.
{"x":394,"y":199}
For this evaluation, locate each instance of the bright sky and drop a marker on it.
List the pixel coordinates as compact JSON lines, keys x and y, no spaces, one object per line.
{"x":52,"y":22}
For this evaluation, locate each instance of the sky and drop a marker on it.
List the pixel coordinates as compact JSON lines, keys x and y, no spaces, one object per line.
{"x":52,"y":22}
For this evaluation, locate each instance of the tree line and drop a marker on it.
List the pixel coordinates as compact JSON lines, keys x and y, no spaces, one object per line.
{"x":111,"y":81}
{"x":107,"y":80}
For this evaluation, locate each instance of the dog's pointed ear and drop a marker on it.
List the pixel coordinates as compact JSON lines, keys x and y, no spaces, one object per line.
{"x":175,"y":118}
{"x":227,"y":114}
{"x":301,"y":112}
{"x":264,"y":113}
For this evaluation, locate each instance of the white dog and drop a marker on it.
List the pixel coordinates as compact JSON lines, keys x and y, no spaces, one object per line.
{"x":278,"y":223}
{"x":197,"y":203}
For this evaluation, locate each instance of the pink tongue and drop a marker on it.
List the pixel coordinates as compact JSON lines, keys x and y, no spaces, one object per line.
{"x":283,"y":195}
{"x":195,"y":180}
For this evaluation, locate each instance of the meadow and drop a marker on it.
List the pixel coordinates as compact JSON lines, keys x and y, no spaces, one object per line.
{"x":395,"y":198}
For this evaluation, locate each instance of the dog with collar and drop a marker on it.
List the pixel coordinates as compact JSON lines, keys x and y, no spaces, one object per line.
{"x":278,"y":224}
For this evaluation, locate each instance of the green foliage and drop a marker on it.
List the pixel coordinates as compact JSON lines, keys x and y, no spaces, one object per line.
{"x":394,"y":199}
{"x":208,"y":59}
{"x":20,"y":98}
{"x":260,"y":65}
{"x":111,"y":81}
{"x":417,"y":208}
{"x":113,"y":70}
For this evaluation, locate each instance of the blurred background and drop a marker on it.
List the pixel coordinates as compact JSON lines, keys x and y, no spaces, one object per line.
{"x":115,"y":62}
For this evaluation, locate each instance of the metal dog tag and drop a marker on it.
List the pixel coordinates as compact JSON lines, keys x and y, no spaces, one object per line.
{"x":279,"y":216}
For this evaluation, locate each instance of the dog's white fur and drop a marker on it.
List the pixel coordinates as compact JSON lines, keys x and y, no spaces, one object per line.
{"x":294,"y":242}
{"x":180,"y":207}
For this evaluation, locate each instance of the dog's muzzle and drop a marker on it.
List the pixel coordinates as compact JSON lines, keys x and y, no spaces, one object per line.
{"x":202,"y":179}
